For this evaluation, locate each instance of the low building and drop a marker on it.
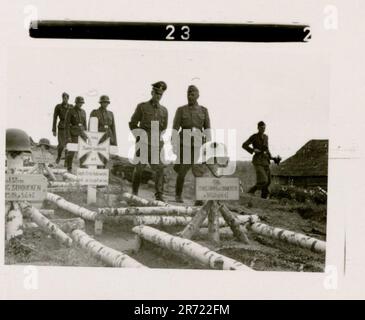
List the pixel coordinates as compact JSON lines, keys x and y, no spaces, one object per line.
{"x":308,"y":167}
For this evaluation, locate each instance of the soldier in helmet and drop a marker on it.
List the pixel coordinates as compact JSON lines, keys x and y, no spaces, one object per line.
{"x":17,"y":143}
{"x":60,"y":112}
{"x":75,"y":127}
{"x":105,"y":119}
{"x":44,"y":144}
{"x":258,"y":144}
{"x":142,"y":118}
{"x":193,"y":119}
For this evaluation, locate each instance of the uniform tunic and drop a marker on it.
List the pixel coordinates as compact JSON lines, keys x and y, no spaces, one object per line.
{"x":192,"y":118}
{"x":60,"y":112}
{"x":75,"y":127}
{"x":75,"y":122}
{"x":106,"y":123}
{"x":260,"y":160}
{"x":195,"y":118}
{"x":145,"y":113}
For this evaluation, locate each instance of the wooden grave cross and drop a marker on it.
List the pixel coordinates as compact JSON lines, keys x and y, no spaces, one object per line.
{"x":91,"y":149}
{"x":42,"y":158}
{"x":20,"y":187}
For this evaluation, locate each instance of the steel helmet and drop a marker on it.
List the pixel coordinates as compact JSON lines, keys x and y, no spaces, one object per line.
{"x":214,"y":153}
{"x":104,"y":98}
{"x":17,"y":140}
{"x":79,"y":100}
{"x":44,"y":142}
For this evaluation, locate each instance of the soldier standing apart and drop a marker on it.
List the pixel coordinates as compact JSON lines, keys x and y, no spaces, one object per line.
{"x":61,"y":110}
{"x":105,"y":119}
{"x":195,"y":118}
{"x":258,"y":144}
{"x":75,"y":127}
{"x":142,"y":118}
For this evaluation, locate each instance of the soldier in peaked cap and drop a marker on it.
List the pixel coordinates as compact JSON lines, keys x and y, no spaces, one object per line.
{"x":106,"y":121}
{"x":142,"y":118}
{"x":191,"y":120}
{"x":75,"y":127}
{"x":60,"y":112}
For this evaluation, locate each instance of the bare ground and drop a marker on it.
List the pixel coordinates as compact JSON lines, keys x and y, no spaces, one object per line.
{"x":36,"y":248}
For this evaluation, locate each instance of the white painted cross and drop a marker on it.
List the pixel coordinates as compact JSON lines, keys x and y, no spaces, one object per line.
{"x":92,"y":148}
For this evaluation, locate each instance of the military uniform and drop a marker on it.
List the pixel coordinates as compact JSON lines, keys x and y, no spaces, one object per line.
{"x":145,"y":113}
{"x":106,"y":121}
{"x":75,"y":127}
{"x":261,"y":162}
{"x":195,"y":118}
{"x":60,"y":111}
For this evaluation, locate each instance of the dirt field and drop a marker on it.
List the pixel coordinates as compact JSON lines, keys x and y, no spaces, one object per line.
{"x":36,"y":248}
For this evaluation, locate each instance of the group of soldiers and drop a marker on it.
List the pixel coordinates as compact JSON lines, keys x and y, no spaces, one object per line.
{"x":72,"y":124}
{"x":192,"y":116}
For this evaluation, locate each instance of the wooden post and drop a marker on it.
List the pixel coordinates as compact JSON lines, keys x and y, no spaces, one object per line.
{"x":91,"y":190}
{"x":238,"y":230}
{"x":50,"y":173}
{"x":213,"y":223}
{"x":14,"y":217}
{"x":194,"y":225}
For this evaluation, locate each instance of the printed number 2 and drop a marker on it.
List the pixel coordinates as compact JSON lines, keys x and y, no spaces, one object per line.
{"x":171,"y":29}
{"x":308,"y":34}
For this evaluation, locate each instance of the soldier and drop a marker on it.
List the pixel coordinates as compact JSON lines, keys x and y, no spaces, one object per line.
{"x":44,"y":144}
{"x":142,"y":118}
{"x":261,"y":159}
{"x":75,"y":127}
{"x":61,"y":110}
{"x":105,"y":119}
{"x":195,"y":118}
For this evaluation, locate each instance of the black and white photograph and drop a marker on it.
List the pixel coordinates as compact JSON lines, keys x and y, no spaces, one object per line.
{"x":147,"y":146}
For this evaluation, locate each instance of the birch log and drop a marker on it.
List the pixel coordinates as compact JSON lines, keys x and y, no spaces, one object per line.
{"x":50,"y":173}
{"x":45,"y":224}
{"x":234,"y":223}
{"x":195,"y":223}
{"x":13,"y":221}
{"x":48,"y":213}
{"x":168,"y":211}
{"x":71,"y":207}
{"x":213,"y":223}
{"x":143,"y":202}
{"x":64,"y":184}
{"x":190,"y":248}
{"x":298,"y":239}
{"x":108,"y":255}
{"x":168,"y":220}
{"x":224,"y":231}
{"x":74,"y":188}
{"x":66,"y":225}
{"x":33,"y":169}
{"x":59,"y":171}
{"x":69,"y":176}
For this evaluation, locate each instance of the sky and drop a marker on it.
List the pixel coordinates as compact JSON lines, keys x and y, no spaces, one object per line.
{"x":240,"y":85}
{"x":287,"y":85}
